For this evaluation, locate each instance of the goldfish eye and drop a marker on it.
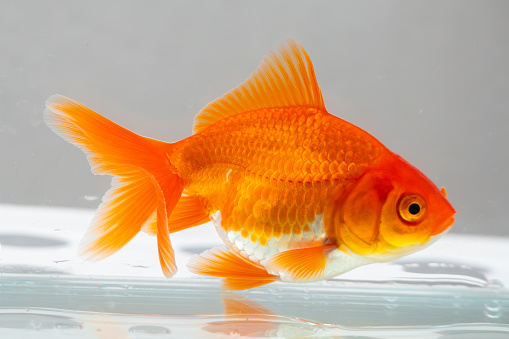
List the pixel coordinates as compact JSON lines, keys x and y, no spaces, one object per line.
{"x":412,"y":208}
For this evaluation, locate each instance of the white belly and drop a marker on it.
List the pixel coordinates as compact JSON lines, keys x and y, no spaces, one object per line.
{"x":260,"y":254}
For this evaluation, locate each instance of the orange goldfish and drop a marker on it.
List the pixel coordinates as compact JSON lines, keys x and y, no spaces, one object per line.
{"x":296,"y":193}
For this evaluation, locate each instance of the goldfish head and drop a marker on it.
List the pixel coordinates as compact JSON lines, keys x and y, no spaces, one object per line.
{"x":390,"y":211}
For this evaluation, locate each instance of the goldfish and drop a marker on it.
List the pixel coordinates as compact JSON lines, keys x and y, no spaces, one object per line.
{"x":295,"y":193}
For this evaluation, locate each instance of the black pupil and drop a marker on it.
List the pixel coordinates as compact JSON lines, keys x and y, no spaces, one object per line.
{"x":414,"y":208}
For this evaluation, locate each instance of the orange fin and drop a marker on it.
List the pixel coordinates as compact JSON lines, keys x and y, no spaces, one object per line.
{"x":284,"y":79}
{"x":236,"y":284}
{"x":189,"y":212}
{"x":167,"y":198}
{"x":120,"y":216}
{"x":300,"y":265}
{"x":240,"y":273}
{"x":144,"y":181}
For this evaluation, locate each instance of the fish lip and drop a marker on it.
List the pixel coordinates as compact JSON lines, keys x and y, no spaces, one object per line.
{"x":443,"y":226}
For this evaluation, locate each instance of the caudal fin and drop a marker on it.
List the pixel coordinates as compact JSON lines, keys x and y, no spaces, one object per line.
{"x":143,"y":182}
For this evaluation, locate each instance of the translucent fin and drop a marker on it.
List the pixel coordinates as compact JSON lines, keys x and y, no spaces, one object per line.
{"x":300,"y":265}
{"x":282,"y":80}
{"x":235,"y":284}
{"x":189,"y":212}
{"x":120,"y":216}
{"x":240,"y":272}
{"x":144,"y":181}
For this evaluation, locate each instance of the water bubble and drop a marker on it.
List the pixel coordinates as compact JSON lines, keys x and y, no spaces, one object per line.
{"x":492,"y":309}
{"x":116,"y":289}
{"x":90,"y":197}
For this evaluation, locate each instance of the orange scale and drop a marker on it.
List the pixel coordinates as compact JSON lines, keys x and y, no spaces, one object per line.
{"x":314,"y":155}
{"x":336,"y":178}
{"x":315,"y":167}
{"x":352,"y":169}
{"x":265,"y":192}
{"x":259,"y":228}
{"x":266,"y":177}
{"x":306,"y":167}
{"x":250,"y":223}
{"x":326,"y":178}
{"x":274,"y":178}
{"x":281,"y":163}
{"x":277,"y":230}
{"x":248,"y":206}
{"x":251,"y":188}
{"x":311,"y":214}
{"x":268,"y":230}
{"x":287,"y":229}
{"x":299,"y":197}
{"x":282,"y":181}
{"x":291,"y":196}
{"x":308,"y":197}
{"x":333,"y":167}
{"x":234,"y":226}
{"x":260,"y":173}
{"x":283,"y":214}
{"x":297,"y":166}
{"x":274,"y":161}
{"x":301,"y":216}
{"x":349,"y":157}
{"x":324,"y":167}
{"x":297,"y":229}
{"x":340,"y":157}
{"x":257,"y":209}
{"x":343,"y":168}
{"x":317,"y":178}
{"x":273,"y":214}
{"x":292,"y":214}
{"x":244,"y":233}
{"x":262,"y":241}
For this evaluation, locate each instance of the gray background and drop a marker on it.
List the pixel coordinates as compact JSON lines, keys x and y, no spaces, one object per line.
{"x":430,"y":79}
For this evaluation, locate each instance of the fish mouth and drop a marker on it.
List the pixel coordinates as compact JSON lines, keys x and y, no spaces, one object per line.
{"x":444,"y":226}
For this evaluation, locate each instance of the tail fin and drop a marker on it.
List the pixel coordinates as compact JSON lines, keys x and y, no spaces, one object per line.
{"x":144,"y":180}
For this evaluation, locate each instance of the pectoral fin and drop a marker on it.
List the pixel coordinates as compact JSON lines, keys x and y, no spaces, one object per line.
{"x":300,"y":265}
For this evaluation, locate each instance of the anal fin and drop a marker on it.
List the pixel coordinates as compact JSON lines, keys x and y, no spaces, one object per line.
{"x":240,"y":273}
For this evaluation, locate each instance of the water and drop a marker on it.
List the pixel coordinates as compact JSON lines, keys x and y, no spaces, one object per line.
{"x":84,"y":307}
{"x":46,"y":291}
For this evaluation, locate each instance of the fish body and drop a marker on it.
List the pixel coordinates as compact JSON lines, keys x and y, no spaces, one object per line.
{"x":296,"y":193}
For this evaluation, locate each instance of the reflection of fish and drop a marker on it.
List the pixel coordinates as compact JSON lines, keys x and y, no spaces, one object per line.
{"x":296,"y":193}
{"x":246,"y":318}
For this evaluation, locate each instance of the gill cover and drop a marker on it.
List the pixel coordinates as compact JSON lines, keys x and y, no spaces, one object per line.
{"x":353,"y":217}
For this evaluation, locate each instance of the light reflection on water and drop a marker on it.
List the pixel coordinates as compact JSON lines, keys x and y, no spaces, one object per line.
{"x":55,"y":307}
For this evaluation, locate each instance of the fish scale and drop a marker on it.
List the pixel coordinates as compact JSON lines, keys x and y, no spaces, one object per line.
{"x":279,"y":181}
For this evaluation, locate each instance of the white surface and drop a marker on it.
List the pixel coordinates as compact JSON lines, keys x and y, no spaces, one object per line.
{"x":487,"y":255}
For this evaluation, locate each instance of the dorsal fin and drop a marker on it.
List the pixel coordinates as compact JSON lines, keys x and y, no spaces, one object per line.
{"x":283,"y":79}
